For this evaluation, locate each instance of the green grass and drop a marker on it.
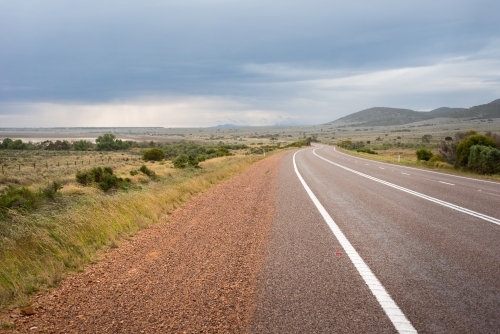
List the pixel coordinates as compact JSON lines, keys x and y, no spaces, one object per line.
{"x":37,"y":248}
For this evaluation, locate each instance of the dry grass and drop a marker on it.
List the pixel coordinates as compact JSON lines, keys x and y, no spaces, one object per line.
{"x":36,"y":168}
{"x":37,"y":249}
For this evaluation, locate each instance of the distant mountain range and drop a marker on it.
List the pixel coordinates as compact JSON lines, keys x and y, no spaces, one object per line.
{"x":382,"y":116}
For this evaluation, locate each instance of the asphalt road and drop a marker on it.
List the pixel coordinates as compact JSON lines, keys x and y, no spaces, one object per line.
{"x":431,"y":240}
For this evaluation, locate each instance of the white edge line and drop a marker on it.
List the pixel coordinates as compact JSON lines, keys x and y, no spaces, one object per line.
{"x":397,"y":317}
{"x":429,"y":198}
{"x":423,"y":170}
{"x":451,"y":184}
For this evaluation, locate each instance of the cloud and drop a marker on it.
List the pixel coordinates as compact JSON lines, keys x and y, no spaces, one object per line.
{"x":194,"y":63}
{"x":179,"y":111}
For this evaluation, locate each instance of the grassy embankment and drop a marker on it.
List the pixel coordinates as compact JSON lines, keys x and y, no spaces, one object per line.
{"x":37,"y":248}
{"x":408,"y":158}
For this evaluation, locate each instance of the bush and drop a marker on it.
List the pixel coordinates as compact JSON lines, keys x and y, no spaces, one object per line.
{"x":134,"y":172}
{"x":300,"y":143}
{"x":147,"y":171}
{"x":484,"y":159}
{"x":424,"y":154}
{"x":26,"y":199}
{"x":184,"y":160}
{"x":22,"y":198}
{"x":426,"y":138}
{"x":102,"y":177}
{"x":436,"y":158}
{"x":51,"y":190}
{"x":463,"y":149}
{"x":366,"y":150}
{"x":154,"y":154}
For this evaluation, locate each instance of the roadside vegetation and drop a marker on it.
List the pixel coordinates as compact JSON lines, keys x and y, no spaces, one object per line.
{"x":465,"y":153}
{"x":59,"y":207}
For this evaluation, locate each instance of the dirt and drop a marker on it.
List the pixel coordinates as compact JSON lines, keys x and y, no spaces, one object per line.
{"x":194,"y":274}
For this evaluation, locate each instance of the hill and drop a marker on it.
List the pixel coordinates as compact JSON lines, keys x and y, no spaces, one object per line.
{"x":483,"y":111}
{"x":383,"y":116}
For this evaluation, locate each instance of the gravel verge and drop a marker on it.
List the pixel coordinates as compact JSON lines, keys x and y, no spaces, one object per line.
{"x":194,"y":274}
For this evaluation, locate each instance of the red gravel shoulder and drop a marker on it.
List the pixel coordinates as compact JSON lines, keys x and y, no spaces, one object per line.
{"x":196,"y":273}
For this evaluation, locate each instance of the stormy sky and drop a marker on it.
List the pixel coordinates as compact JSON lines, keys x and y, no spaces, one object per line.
{"x":204,"y":63}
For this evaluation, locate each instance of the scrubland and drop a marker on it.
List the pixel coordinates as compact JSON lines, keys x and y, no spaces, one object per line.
{"x":38,"y":247}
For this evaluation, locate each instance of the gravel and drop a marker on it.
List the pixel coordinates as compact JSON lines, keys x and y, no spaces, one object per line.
{"x":194,"y":274}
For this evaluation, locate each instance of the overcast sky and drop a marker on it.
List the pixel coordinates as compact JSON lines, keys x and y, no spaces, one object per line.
{"x":209,"y":62}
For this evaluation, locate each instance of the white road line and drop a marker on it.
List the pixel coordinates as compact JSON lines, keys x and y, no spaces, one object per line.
{"x":367,"y":164}
{"x":485,"y":192}
{"x":397,"y":317}
{"x":423,"y":170}
{"x":405,"y":173}
{"x":381,"y":167}
{"x":451,"y":184}
{"x":429,"y":198}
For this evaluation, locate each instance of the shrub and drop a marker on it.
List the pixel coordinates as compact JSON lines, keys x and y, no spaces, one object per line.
{"x":184,"y":160}
{"x":436,"y":158}
{"x":51,"y":190}
{"x":154,"y":154}
{"x":134,"y":172}
{"x":424,"y":154}
{"x":26,"y":199}
{"x":102,"y":177}
{"x":463,"y":149}
{"x":299,"y":143}
{"x":366,"y":150}
{"x":484,"y":159}
{"x":426,"y":138}
{"x":147,"y":171}
{"x":19,"y":198}
{"x":221,"y":151}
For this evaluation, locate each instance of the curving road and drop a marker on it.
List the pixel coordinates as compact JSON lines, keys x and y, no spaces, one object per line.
{"x":366,"y":247}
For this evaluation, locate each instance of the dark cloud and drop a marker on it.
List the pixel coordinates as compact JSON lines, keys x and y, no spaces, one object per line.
{"x":97,"y":51}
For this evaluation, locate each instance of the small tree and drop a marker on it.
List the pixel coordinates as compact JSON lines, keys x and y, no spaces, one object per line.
{"x":463,"y":149}
{"x":424,"y":154}
{"x":484,"y":159}
{"x":154,"y":154}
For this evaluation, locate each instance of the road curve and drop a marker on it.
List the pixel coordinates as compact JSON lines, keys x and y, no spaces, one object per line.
{"x":440,"y":265}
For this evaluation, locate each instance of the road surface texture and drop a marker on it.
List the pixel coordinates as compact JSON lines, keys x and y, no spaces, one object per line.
{"x":356,"y":246}
{"x":440,"y":266}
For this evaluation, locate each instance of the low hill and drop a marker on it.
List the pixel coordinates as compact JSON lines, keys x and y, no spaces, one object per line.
{"x":383,"y":116}
{"x":489,"y":110}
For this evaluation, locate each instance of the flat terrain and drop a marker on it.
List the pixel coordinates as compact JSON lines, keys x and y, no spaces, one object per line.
{"x":255,"y":254}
